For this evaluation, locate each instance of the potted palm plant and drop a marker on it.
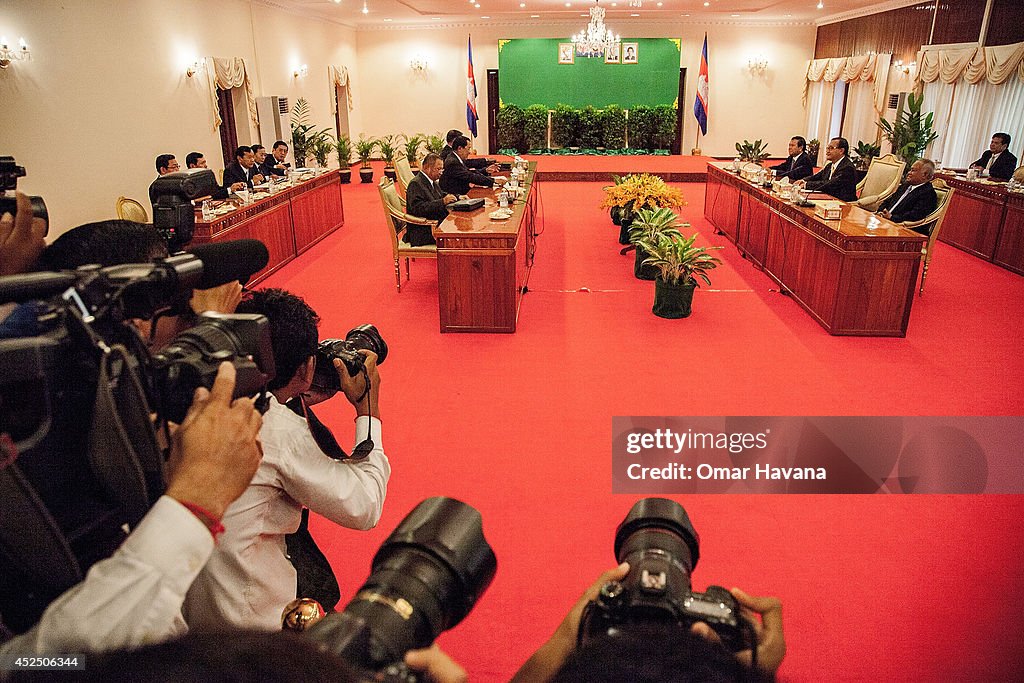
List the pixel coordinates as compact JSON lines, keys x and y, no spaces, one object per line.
{"x":364,"y":148}
{"x":387,"y":146}
{"x":321,"y":146}
{"x":646,"y":227}
{"x":434,"y":143}
{"x":680,"y":265}
{"x":411,"y":145}
{"x":343,"y":148}
{"x":302,"y":131}
{"x":912,"y":131}
{"x":754,"y":152}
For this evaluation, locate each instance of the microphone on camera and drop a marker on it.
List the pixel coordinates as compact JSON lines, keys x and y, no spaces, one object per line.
{"x":225,"y":262}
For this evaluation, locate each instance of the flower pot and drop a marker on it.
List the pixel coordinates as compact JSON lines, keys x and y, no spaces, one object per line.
{"x":641,"y":271}
{"x":366,"y":175}
{"x":616,"y":214}
{"x":673,"y":300}
{"x":624,"y":224}
{"x":389,"y":172}
{"x":345,"y":176}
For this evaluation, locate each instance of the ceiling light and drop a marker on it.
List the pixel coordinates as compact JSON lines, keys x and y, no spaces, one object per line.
{"x":707,"y":4}
{"x":660,"y":4}
{"x":596,"y":39}
{"x":568,"y":4}
{"x":733,"y":15}
{"x":821,"y":5}
{"x":387,"y":20}
{"x":535,"y":16}
{"x":366,"y":10}
{"x":337,"y":2}
{"x":634,"y":15}
{"x":522,"y":5}
{"x":485,"y":17}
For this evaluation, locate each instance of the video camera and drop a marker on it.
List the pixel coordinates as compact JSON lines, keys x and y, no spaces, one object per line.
{"x":426,"y":578}
{"x":80,"y":456}
{"x":173,"y":212}
{"x":658,"y":541}
{"x":9,"y":174}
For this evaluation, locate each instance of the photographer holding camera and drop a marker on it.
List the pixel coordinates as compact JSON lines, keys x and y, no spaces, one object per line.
{"x":249,"y":579}
{"x":134,"y":597}
{"x":642,"y":622}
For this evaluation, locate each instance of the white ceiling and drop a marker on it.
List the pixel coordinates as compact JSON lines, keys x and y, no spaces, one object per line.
{"x":384,"y":13}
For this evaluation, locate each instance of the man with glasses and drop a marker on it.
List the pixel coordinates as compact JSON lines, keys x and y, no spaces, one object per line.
{"x":839,"y":177}
{"x":997,"y":161}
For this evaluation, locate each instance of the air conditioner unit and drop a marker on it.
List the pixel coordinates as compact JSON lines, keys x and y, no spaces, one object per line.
{"x":895,"y":105}
{"x":273,"y":115}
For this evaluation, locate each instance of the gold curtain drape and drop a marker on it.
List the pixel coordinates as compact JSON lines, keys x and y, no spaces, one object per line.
{"x":226,"y":73}
{"x":338,"y":76}
{"x":869,"y":67}
{"x":974,"y":64}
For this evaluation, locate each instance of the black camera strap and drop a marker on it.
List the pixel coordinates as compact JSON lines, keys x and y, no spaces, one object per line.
{"x":324,"y":437}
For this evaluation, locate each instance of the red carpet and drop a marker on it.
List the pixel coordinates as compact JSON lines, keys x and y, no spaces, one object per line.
{"x":918,"y":588}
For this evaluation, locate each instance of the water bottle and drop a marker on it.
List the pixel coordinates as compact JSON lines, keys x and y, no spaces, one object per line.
{"x":503,"y":199}
{"x":207,"y":210}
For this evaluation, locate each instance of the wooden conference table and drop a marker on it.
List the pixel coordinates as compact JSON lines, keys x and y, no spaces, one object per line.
{"x":288,"y":222}
{"x":855,"y":276}
{"x":986,"y":220}
{"x":483,"y":265}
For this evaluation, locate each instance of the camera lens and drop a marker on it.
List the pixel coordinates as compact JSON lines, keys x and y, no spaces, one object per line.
{"x":426,"y":578}
{"x":367,"y":337}
{"x":658,"y":524}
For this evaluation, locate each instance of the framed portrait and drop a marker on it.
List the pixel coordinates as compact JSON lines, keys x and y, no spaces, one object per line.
{"x":630,"y":53}
{"x":566,"y":53}
{"x":613,"y":55}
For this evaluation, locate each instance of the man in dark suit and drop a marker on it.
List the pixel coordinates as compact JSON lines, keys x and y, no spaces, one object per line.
{"x":997,"y":161}
{"x":914,"y":199}
{"x":798,"y":164}
{"x":243,"y":169}
{"x":457,"y":177}
{"x":424,"y":199}
{"x":274,"y":164}
{"x":479,"y":164}
{"x":839,"y":177}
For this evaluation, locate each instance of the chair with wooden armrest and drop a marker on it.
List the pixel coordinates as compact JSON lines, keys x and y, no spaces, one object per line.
{"x":883,"y":177}
{"x":131,"y":210}
{"x":403,"y":171}
{"x":397,"y":221}
{"x":944,"y":193}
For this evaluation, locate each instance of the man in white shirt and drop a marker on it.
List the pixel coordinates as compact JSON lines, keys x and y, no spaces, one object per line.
{"x":134,"y":597}
{"x":249,"y":579}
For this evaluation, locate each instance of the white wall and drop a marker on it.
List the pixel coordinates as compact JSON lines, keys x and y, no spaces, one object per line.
{"x":742,"y":105}
{"x":106,"y":91}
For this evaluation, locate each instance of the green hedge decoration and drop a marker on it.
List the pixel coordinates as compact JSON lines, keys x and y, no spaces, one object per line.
{"x":642,"y":127}
{"x":565,"y":126}
{"x":591,"y":135}
{"x":613,"y":126}
{"x":511,"y":124}
{"x":535,"y":128}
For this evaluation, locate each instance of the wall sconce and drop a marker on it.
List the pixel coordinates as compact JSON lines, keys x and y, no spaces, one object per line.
{"x":196,"y":67}
{"x":301,"y":71}
{"x":757,"y":64}
{"x":419,"y":64}
{"x":905,"y":68}
{"x":9,"y":54}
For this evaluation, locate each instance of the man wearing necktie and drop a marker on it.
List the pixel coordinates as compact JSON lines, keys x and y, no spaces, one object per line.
{"x":424,"y":199}
{"x":997,"y":161}
{"x":914,"y":199}
{"x":839,"y":177}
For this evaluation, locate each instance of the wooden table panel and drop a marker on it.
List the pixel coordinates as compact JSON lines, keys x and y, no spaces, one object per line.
{"x":972,"y":224}
{"x":483,"y":265}
{"x":317,"y":212}
{"x":722,"y":204}
{"x":855,"y":276}
{"x":1010,"y":246}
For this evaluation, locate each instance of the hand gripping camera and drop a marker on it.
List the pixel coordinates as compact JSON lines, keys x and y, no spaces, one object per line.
{"x":325,"y":377}
{"x":425,"y":579}
{"x":662,"y":548}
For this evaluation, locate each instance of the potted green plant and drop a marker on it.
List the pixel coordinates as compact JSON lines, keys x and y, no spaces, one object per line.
{"x":864,"y":153}
{"x":343,"y":148}
{"x":321,"y":145}
{"x":754,"y":152}
{"x":535,"y":128}
{"x":648,"y":224}
{"x":511,"y":120}
{"x":813,"y":147}
{"x":411,"y":144}
{"x":434,"y":143}
{"x":364,"y":149}
{"x":680,"y":265}
{"x":387,"y":146}
{"x":912,"y":131}
{"x":301,"y":131}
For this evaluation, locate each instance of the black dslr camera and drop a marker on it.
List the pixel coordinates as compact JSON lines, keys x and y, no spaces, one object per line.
{"x":9,"y":174}
{"x":325,"y":377}
{"x":76,"y":395}
{"x":426,"y":578}
{"x":662,"y":548}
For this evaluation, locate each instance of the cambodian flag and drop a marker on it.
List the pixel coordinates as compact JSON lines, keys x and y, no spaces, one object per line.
{"x":700,"y":105}
{"x":471,"y":116}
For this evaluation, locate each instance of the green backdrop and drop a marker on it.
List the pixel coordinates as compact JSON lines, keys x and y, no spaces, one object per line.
{"x":529,"y":73}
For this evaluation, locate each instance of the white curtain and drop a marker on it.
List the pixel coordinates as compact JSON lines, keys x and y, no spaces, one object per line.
{"x":859,"y":122}
{"x":938,"y":99}
{"x":977,"y":112}
{"x":819,"y":110}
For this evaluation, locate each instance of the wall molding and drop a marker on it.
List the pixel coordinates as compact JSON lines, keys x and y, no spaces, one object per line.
{"x":871,"y":9}
{"x":299,"y":13}
{"x":573,"y":26}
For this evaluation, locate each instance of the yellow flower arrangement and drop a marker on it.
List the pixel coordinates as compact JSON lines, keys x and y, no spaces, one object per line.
{"x":642,"y":191}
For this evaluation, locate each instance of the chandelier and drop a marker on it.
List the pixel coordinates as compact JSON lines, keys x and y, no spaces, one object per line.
{"x":598,"y":38}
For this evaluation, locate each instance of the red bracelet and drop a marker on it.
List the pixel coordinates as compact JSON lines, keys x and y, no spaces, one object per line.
{"x":206,"y":517}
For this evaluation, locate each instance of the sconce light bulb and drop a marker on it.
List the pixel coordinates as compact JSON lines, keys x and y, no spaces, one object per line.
{"x":366,"y":10}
